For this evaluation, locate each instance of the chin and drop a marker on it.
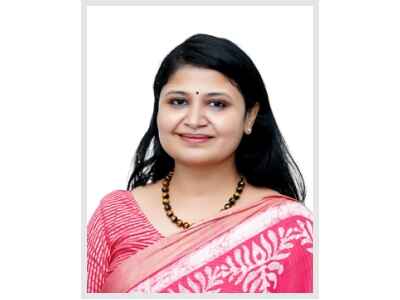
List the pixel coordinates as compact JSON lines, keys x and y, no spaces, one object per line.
{"x":193,"y":161}
{"x":197,"y":161}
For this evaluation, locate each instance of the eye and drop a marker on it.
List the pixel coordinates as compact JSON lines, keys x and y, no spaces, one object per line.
{"x":177,"y":101}
{"x":217,"y":103}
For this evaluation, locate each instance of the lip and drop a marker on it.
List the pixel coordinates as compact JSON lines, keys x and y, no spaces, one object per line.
{"x":195,"y":135}
{"x":195,"y":138}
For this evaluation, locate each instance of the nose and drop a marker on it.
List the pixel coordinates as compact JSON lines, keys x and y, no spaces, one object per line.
{"x":195,"y":117}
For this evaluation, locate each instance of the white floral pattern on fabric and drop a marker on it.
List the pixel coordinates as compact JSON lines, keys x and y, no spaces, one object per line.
{"x":266,"y":255}
{"x":255,"y":269}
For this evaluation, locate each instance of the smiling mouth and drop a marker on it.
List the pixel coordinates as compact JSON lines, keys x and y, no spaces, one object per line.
{"x":195,"y":138}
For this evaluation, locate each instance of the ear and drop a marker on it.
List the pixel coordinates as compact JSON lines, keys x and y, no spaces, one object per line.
{"x":251,"y":115}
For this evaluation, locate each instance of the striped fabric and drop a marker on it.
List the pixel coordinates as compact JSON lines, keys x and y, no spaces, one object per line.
{"x":116,"y":230}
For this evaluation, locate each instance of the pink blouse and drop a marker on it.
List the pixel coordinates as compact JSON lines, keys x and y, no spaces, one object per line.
{"x":116,"y":230}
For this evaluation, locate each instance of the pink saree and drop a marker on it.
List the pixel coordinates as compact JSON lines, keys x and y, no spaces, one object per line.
{"x":265,"y":247}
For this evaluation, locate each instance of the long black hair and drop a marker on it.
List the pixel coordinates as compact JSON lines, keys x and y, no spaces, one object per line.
{"x":262,"y":157}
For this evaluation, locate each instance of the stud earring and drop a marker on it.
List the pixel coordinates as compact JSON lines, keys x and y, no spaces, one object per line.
{"x":248,"y":130}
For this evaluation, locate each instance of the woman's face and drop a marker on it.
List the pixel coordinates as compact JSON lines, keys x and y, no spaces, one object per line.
{"x":201,"y":101}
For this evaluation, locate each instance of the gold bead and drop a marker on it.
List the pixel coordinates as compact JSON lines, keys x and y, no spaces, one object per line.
{"x":167,"y":206}
{"x":227,"y":205}
{"x":232,"y":200}
{"x":165,"y":201}
{"x":169,"y":213}
{"x":236,"y":195}
{"x":179,"y":222}
{"x":174,"y":218}
{"x":165,"y":195}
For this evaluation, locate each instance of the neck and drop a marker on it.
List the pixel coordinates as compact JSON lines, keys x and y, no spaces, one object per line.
{"x":204,"y":183}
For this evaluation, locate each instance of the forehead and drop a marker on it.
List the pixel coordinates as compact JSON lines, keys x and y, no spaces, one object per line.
{"x":192,"y":79}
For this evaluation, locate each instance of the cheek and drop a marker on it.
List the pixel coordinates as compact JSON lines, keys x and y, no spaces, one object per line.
{"x":166,"y":122}
{"x":229,"y":127}
{"x":229,"y":136}
{"x":163,"y":133}
{"x":161,"y":123}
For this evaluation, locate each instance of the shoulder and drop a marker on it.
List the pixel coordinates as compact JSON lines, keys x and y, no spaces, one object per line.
{"x":286,"y":208}
{"x":292,"y":208}
{"x":261,"y":191}
{"x":123,"y":199}
{"x":115,"y":208}
{"x":255,"y":193}
{"x":115,"y":197}
{"x":115,"y":204}
{"x":109,"y":204}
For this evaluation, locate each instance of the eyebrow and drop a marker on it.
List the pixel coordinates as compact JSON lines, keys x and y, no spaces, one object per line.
{"x":208,"y":94}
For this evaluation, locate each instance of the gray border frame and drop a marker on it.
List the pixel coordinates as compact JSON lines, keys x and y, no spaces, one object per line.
{"x":84,"y":4}
{"x":199,"y":2}
{"x":84,"y":148}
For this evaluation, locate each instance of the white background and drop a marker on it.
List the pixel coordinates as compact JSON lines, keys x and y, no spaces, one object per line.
{"x":125,"y":50}
{"x":40,"y":154}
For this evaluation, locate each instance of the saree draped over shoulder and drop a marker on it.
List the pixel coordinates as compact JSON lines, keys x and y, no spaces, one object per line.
{"x":263,"y":247}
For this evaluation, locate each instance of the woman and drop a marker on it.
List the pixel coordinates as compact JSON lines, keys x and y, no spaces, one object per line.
{"x":215,"y":201}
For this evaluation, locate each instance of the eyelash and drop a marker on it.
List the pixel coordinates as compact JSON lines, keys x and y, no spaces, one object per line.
{"x":223,"y":104}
